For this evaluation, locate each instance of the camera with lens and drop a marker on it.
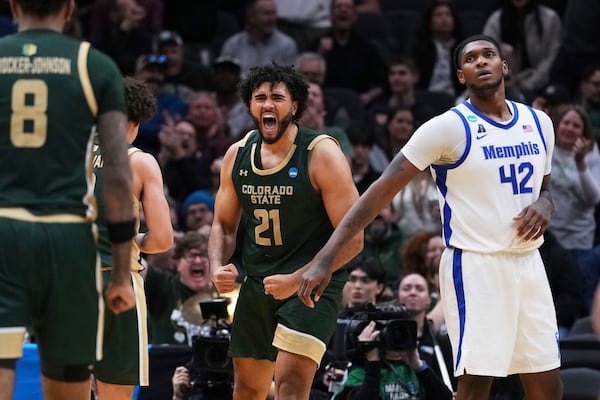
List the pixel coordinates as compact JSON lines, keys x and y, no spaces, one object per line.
{"x":398,"y":332}
{"x":211,"y":368}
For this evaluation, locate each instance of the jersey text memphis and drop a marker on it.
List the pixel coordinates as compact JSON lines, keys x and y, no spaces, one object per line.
{"x":499,"y":173}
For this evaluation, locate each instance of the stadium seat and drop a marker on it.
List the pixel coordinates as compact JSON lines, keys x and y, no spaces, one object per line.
{"x":582,"y":325}
{"x":580,"y":350}
{"x":580,"y":383}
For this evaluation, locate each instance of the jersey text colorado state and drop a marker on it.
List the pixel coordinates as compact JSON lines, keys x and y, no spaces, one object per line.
{"x":267,"y":194}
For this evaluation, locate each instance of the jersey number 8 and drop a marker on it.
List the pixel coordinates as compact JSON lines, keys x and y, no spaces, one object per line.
{"x":28,"y":121}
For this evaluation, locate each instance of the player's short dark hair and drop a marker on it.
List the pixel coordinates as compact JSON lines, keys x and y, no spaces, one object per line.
{"x":140,"y":101}
{"x":274,"y":74}
{"x":41,"y":8}
{"x":459,"y":49}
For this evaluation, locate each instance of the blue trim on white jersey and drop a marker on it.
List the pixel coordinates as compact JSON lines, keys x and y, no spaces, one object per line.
{"x":441,"y":172}
{"x":539,"y":127}
{"x":440,"y":181}
{"x":513,"y":121}
{"x":460,"y":298}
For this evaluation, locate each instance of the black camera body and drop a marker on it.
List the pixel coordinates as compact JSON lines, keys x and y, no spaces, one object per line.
{"x":211,"y":368}
{"x":398,"y":332}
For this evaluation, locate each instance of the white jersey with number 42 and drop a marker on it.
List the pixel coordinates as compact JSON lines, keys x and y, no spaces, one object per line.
{"x":486,"y":172}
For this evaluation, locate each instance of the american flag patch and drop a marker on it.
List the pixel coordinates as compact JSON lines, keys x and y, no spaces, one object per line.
{"x":527,"y":128}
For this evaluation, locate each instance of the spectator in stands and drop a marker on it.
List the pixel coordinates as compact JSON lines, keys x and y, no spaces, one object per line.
{"x":421,"y":255}
{"x":529,"y":36}
{"x":124,"y":29}
{"x":173,"y":299}
{"x":390,"y":373}
{"x":150,"y":68}
{"x":314,"y":118}
{"x":304,"y":21}
{"x":434,"y":46}
{"x":182,"y":76}
{"x":183,"y":169}
{"x":398,"y":126}
{"x":260,"y":42}
{"x":552,"y":100}
{"x":589,"y":96}
{"x":579,"y":43}
{"x":366,"y":283}
{"x":383,"y":242}
{"x":352,"y":61}
{"x":401,"y":91}
{"x":197,"y":210}
{"x":417,"y":207}
{"x":414,"y":292}
{"x":226,"y":76}
{"x":363,"y":173}
{"x":211,"y":129}
{"x":313,"y":67}
{"x":575,"y":189}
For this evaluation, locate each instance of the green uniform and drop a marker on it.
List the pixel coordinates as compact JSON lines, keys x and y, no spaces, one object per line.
{"x":287,"y":224}
{"x":54,"y":87}
{"x":125,"y":360}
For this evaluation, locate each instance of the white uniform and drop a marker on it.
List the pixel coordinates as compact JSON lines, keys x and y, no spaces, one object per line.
{"x":497,"y":301}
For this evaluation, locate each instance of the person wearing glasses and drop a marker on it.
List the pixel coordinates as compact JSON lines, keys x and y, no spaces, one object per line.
{"x":172,"y":298}
{"x":125,"y":361}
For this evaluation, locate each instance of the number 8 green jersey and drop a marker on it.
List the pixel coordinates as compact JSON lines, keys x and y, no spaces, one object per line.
{"x":53,"y":87}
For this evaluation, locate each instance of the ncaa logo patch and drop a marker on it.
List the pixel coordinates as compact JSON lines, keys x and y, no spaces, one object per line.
{"x":471,"y":118}
{"x":293,"y":172}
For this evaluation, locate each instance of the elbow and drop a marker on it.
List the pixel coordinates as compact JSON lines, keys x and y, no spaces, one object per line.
{"x":158,"y":244}
{"x":165,"y":243}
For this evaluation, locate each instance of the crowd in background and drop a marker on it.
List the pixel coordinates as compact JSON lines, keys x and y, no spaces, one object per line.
{"x":377,"y":70}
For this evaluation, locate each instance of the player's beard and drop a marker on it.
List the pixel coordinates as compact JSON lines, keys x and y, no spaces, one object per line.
{"x":283,"y":124}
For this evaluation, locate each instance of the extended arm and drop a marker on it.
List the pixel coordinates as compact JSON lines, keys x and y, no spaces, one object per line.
{"x":330,"y":175}
{"x":148,"y":188}
{"x":222,"y":241}
{"x":333,"y":255}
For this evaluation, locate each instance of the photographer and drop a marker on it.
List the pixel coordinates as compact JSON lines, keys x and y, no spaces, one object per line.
{"x":434,"y":347}
{"x":390,"y":374}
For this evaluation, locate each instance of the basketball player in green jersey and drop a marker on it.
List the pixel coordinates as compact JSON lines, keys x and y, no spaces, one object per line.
{"x":293,"y":185}
{"x":125,"y":362}
{"x":54,"y":90}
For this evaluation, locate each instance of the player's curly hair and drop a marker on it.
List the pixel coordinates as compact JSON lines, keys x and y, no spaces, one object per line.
{"x":274,"y":74}
{"x":140,"y":101}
